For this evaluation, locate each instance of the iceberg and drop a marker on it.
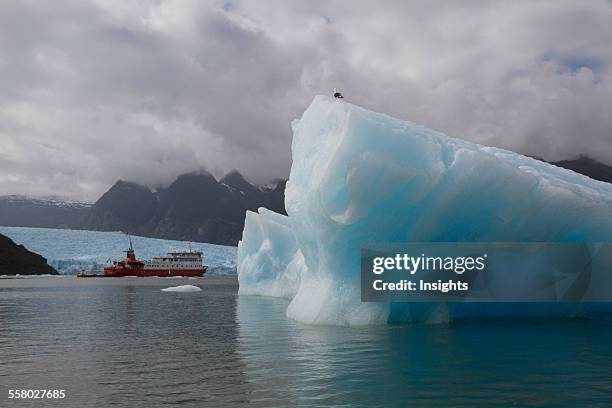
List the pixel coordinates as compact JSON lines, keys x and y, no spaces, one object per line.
{"x":182,"y":288}
{"x":359,"y":176}
{"x":268,"y":257}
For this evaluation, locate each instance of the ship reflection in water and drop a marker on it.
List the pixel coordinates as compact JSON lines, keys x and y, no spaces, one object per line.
{"x":125,"y":343}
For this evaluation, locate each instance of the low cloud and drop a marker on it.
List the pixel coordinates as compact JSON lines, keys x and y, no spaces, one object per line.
{"x":101,"y":90}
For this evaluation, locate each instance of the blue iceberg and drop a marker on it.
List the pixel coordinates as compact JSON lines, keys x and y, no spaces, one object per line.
{"x":268,"y":258}
{"x":359,"y":176}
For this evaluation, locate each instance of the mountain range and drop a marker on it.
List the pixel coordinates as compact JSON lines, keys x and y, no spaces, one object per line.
{"x":195,"y":207}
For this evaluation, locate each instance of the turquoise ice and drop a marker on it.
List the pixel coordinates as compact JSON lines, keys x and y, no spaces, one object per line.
{"x":359,"y":176}
{"x":268,"y":256}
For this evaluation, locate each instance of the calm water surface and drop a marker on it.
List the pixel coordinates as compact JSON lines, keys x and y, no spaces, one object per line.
{"x":124,"y":343}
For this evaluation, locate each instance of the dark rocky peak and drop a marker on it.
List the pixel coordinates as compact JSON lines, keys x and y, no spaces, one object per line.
{"x":589,"y":167}
{"x":236,"y":180}
{"x":16,"y":259}
{"x":125,"y":204}
{"x":191,"y":182}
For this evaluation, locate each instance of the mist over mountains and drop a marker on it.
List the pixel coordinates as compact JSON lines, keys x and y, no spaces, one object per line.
{"x":195,"y":207}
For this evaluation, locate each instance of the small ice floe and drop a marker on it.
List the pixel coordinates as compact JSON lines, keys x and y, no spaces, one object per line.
{"x":182,"y":288}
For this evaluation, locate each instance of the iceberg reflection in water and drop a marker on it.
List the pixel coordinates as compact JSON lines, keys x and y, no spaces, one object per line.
{"x":470,"y":362}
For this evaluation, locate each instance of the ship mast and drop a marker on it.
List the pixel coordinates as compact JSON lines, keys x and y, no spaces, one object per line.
{"x":130,"y":251}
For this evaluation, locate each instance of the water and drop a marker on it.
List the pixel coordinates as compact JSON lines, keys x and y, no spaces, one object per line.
{"x":124,"y":343}
{"x":121,"y":342}
{"x":71,"y":251}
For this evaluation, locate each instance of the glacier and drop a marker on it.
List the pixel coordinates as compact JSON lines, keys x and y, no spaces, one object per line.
{"x":72,"y":251}
{"x":359,"y":176}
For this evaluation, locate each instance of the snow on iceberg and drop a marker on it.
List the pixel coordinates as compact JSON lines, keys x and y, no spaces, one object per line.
{"x":359,"y":176}
{"x":182,"y":288}
{"x":268,"y":257}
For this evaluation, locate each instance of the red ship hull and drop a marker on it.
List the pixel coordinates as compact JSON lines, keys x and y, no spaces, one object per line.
{"x":121,"y":272}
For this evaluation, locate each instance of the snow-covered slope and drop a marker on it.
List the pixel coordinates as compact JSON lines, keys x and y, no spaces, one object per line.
{"x":359,"y":176}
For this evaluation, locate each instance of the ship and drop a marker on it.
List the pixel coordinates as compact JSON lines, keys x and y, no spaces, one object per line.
{"x":188,"y":263}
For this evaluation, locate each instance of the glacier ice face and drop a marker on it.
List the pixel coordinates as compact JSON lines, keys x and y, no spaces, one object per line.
{"x":72,"y":251}
{"x":359,"y":176}
{"x":268,"y":261}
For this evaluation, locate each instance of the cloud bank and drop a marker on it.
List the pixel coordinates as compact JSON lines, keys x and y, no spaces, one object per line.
{"x":94,"y":91}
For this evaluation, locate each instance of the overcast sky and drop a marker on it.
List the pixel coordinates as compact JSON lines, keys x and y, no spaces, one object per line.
{"x":94,"y":91}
